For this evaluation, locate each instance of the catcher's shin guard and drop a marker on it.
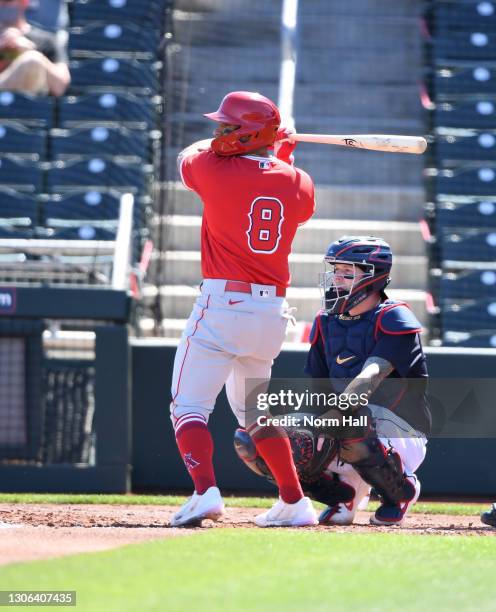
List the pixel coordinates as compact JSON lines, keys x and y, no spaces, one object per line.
{"x":247,"y":452}
{"x":310,"y":457}
{"x":381,"y":468}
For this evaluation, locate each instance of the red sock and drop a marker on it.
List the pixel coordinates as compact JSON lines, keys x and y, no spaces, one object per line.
{"x":196,"y":447}
{"x":276,"y":450}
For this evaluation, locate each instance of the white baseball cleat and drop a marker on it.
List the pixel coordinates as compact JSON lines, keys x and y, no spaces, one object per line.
{"x":199,"y":507}
{"x":300,"y":514}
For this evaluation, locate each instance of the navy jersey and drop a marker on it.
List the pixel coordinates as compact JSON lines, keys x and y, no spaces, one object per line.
{"x":341,"y":344}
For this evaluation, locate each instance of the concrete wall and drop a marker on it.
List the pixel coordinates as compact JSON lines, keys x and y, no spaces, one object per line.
{"x":461,"y":467}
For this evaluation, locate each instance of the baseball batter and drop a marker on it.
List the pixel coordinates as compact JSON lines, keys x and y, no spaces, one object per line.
{"x":366,"y":344}
{"x":253,"y":204}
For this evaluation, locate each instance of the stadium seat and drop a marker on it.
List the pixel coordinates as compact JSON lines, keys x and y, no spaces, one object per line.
{"x":118,"y":172}
{"x":27,"y":109}
{"x":89,"y":204}
{"x":122,"y":108}
{"x":453,"y":146}
{"x":471,"y":315}
{"x":484,"y":338}
{"x":467,"y":180}
{"x":46,"y":14}
{"x":467,"y":45}
{"x":116,"y":11}
{"x":12,"y":233}
{"x":467,"y":284}
{"x":465,"y":211}
{"x":476,"y":114}
{"x":83,"y":232}
{"x":110,"y":72}
{"x":100,"y":140}
{"x":20,"y":140}
{"x":465,"y":79}
{"x":18,"y":208}
{"x":21,"y":174}
{"x":467,"y":245}
{"x":464,"y":14}
{"x":113,"y":38}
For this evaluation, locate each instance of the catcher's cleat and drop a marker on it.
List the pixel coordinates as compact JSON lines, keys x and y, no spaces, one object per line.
{"x":489,"y":517}
{"x":338,"y":514}
{"x":394,"y":513}
{"x":300,"y":514}
{"x":199,"y":507}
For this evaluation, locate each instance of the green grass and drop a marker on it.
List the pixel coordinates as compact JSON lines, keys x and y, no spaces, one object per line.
{"x":274,"y":570}
{"x":460,"y":509}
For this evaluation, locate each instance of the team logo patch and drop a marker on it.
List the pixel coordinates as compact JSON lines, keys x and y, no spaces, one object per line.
{"x":190,"y":462}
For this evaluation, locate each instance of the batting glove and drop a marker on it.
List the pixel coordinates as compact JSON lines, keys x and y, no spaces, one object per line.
{"x":284,"y":146}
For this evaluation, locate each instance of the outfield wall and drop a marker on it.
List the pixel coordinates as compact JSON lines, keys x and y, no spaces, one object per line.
{"x":452,"y":467}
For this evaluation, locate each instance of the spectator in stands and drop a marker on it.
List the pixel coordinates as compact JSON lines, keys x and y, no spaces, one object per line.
{"x":31,"y":59}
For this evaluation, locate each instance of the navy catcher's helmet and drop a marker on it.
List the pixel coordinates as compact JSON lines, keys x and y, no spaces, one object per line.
{"x":371,"y":255}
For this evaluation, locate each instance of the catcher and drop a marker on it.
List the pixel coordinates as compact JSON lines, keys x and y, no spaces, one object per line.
{"x":364,"y":343}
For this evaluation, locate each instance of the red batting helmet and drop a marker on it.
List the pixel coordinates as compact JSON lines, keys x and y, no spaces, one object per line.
{"x":258,"y":119}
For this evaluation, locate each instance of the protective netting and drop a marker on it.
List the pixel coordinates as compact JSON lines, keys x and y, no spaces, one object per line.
{"x":358,"y":65}
{"x":47,"y":397}
{"x":461,"y":45}
{"x":68,"y":412}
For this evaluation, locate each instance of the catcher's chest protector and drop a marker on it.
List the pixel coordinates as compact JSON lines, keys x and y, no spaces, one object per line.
{"x":349,"y":341}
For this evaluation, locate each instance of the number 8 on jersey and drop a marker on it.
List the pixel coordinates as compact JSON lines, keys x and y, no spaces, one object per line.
{"x":266,"y":217}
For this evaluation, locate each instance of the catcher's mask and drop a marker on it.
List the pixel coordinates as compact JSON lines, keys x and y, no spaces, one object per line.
{"x":258,"y":119}
{"x":368,"y":262}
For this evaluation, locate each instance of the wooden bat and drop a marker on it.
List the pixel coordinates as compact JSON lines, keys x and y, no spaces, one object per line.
{"x":373,"y":142}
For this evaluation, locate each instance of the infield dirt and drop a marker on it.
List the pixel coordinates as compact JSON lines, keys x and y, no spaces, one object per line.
{"x":41,"y":531}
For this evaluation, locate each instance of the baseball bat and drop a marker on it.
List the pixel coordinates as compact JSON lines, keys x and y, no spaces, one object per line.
{"x":373,"y":142}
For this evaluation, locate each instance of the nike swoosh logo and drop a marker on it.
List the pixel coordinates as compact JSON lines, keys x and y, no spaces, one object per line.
{"x":232,"y":302}
{"x":340,"y":361}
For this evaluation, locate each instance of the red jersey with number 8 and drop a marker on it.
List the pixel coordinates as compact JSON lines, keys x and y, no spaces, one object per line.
{"x":252,"y":209}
